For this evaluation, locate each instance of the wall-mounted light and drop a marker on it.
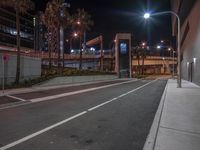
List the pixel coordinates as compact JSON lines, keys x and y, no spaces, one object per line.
{"x":188,"y":64}
{"x":194,"y":60}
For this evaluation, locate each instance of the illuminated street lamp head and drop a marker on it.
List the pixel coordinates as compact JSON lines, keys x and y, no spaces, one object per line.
{"x":75,"y":34}
{"x":78,"y":22}
{"x":158,"y":46}
{"x":143,"y":43}
{"x":146,"y":15}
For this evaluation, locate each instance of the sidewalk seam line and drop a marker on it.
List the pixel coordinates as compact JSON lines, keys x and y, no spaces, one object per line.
{"x":195,"y":133}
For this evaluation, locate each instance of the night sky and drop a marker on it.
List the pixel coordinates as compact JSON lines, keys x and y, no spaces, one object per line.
{"x":114,"y":16}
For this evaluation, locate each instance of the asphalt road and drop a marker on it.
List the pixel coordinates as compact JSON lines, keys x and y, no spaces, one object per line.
{"x":112,"y":118}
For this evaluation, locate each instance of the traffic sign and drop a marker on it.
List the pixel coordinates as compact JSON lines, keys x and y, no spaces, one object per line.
{"x":6,"y":57}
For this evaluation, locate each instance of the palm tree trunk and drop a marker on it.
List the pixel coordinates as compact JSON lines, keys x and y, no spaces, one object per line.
{"x":49,"y":46}
{"x":63,"y":61}
{"x":143,"y":64}
{"x":18,"y":46}
{"x":58,"y":46}
{"x":138,"y":64}
{"x":102,"y":55}
{"x":80,"y":64}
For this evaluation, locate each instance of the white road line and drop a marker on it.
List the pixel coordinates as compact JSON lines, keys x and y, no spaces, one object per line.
{"x":77,"y":92}
{"x":15,"y":105}
{"x":64,"y":94}
{"x":15,"y":97}
{"x":118,"y":97}
{"x":95,"y":107}
{"x":68,"y":119}
{"x":41,"y":131}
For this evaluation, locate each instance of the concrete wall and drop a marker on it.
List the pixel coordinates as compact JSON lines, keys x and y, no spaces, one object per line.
{"x":30,"y":68}
{"x":77,"y":79}
{"x":191,"y":46}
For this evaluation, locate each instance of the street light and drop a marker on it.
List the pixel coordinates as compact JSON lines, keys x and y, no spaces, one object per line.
{"x":147,"y":15}
{"x":78,"y":22}
{"x":173,"y":62}
{"x":143,"y":43}
{"x":172,"y":51}
{"x":158,"y":46}
{"x":61,"y":48}
{"x":74,"y":35}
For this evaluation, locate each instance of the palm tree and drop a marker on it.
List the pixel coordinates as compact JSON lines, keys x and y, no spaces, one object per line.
{"x":50,"y":20}
{"x":55,"y":16}
{"x":137,"y":52}
{"x":140,"y":53}
{"x":65,"y":23}
{"x":20,"y":6}
{"x":143,"y":54}
{"x":82,"y":21}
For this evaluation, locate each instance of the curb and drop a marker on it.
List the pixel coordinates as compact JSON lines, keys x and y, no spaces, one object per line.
{"x":152,"y":136}
{"x":43,"y":88}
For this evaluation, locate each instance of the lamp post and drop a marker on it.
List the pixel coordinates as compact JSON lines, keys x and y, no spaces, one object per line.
{"x":173,"y":63}
{"x":74,"y":35}
{"x":172,"y":52}
{"x":147,"y":15}
{"x":61,"y":38}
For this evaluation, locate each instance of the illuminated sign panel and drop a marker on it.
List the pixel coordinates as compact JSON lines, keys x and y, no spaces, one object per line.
{"x":124,"y":58}
{"x":123,"y":48}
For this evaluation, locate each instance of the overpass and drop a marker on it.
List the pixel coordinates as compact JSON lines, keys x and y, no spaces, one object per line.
{"x":152,"y":64}
{"x":156,"y":64}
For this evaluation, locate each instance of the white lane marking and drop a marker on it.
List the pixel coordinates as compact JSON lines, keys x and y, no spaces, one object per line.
{"x":15,"y":105}
{"x":41,"y":131}
{"x":66,"y":94}
{"x":15,"y":97}
{"x":77,"y":92}
{"x":122,"y":95}
{"x":67,"y":120}
{"x":95,"y":107}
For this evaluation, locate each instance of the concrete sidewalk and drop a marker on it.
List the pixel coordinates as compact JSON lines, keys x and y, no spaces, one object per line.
{"x":176,"y":125}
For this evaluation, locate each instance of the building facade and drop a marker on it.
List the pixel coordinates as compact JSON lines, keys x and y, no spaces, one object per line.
{"x":40,"y":34}
{"x":188,"y":10}
{"x":8,"y":29}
